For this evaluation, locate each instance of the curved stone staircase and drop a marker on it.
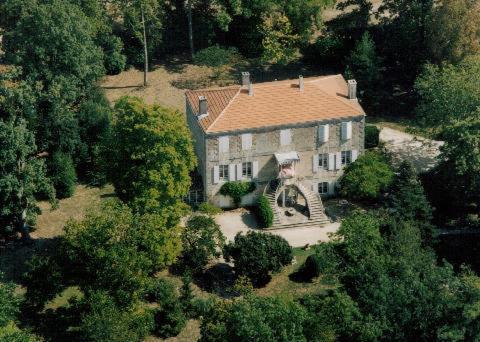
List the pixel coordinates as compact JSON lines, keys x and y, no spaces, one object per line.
{"x":317,"y":216}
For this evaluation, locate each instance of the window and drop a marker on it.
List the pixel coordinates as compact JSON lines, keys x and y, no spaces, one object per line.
{"x":323,"y":188}
{"x":323,"y":161}
{"x":223,"y":172}
{"x":285,"y":137}
{"x":346,"y":130}
{"x":223,"y":144}
{"x":247,"y":170}
{"x":246,"y":141}
{"x":346,"y":157}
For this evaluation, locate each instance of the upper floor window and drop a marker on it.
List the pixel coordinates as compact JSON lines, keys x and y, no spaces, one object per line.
{"x":346,"y":157}
{"x":323,"y":188}
{"x":285,"y":137}
{"x":223,"y":172}
{"x":346,"y":130}
{"x":323,"y":133}
{"x":247,"y":169}
{"x":246,"y":141}
{"x":323,"y":161}
{"x":223,"y":144}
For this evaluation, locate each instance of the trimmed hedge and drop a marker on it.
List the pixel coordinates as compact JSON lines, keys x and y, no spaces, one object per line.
{"x":236,"y":190}
{"x":264,"y":212}
{"x":311,"y":267}
{"x":372,"y":136}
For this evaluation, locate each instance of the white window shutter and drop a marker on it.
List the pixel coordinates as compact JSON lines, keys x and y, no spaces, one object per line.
{"x":255,"y":169}
{"x":331,"y":161}
{"x":315,"y":163}
{"x":239,"y":171}
{"x":331,"y":188}
{"x":223,"y":144}
{"x":315,"y":188}
{"x":338,"y":160}
{"x":231,"y":172}
{"x":285,"y":137}
{"x":323,"y":133}
{"x":354,"y":155}
{"x":246,"y":141}
{"x":216,"y":176}
{"x":349,"y":130}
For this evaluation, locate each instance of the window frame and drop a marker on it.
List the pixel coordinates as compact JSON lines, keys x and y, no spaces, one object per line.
{"x":323,"y":161}
{"x":246,"y":167}
{"x":346,"y":157}
{"x":223,"y":172}
{"x":323,"y":188}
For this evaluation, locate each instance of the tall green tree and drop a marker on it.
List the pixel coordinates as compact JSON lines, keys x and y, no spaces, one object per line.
{"x":150,"y":154}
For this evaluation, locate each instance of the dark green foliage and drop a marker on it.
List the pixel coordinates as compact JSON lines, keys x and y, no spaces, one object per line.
{"x":201,"y":241}
{"x":264,"y":212}
{"x":169,"y":317}
{"x":236,"y":190}
{"x":407,"y":201}
{"x":22,"y":177}
{"x":186,"y":295}
{"x":256,"y":255}
{"x":62,"y":174}
{"x":312,"y":267}
{"x":114,"y":61}
{"x":327,"y":50}
{"x":364,"y":65}
{"x":9,"y":302}
{"x":372,"y":136}
{"x":215,"y":56}
{"x":44,"y":280}
{"x":367,"y":178}
{"x":103,"y":321}
{"x":253,"y":318}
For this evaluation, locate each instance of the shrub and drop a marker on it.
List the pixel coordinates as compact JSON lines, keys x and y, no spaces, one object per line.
{"x":264,"y":212}
{"x":372,"y":136}
{"x":312,"y":266}
{"x":209,"y":209}
{"x":201,"y":241}
{"x":367,"y":177}
{"x":236,"y":190}
{"x":63,"y":174}
{"x":169,"y":317}
{"x":105,"y":322}
{"x":215,"y":56}
{"x":257,"y":254}
{"x":113,"y":59}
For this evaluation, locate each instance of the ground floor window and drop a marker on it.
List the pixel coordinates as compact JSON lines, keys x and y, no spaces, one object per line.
{"x":194,"y":197}
{"x":346,"y":157}
{"x":223,"y":172}
{"x":323,"y":188}
{"x":247,"y":170}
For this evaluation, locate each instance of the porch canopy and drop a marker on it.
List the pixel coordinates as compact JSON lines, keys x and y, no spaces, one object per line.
{"x":287,"y":157}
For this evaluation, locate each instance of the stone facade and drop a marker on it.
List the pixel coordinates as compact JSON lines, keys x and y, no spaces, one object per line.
{"x":265,"y":142}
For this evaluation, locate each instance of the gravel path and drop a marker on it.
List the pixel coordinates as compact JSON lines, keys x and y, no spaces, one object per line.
{"x":420,"y":151}
{"x":241,"y":220}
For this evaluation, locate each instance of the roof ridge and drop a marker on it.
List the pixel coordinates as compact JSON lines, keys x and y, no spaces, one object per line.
{"x":213,"y":89}
{"x":224,"y":109}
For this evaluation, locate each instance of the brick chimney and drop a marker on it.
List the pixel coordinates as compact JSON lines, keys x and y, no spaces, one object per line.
{"x":245,"y":78}
{"x":352,"y":89}
{"x":202,"y":107}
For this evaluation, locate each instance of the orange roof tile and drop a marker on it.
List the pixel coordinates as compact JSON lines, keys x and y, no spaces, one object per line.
{"x":278,"y":103}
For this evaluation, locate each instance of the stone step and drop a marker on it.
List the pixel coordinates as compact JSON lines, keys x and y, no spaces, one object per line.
{"x":308,"y":224}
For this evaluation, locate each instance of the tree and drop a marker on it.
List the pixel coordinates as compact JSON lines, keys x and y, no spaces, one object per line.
{"x":22,"y":178}
{"x":63,"y":175}
{"x":256,"y":255}
{"x":115,"y":251}
{"x":280,"y":44}
{"x":202,"y":240}
{"x":367,"y":178}
{"x":103,"y":321}
{"x":454,"y":31}
{"x":254,"y":318}
{"x":365,"y":66}
{"x":448,"y":93}
{"x":152,"y":155}
{"x":407,"y":201}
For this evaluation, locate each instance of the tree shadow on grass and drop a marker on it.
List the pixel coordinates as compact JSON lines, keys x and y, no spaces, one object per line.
{"x":218,"y":279}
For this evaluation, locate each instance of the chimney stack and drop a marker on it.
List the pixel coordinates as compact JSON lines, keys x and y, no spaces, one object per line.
{"x":245,"y":78}
{"x":352,"y":89}
{"x":202,"y":107}
{"x":300,"y":83}
{"x":250,"y":89}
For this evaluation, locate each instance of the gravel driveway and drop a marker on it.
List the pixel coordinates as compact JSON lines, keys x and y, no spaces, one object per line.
{"x":420,"y":151}
{"x":241,"y":220}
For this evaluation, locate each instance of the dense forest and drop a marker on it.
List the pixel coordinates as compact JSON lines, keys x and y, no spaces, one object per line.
{"x":391,"y":272}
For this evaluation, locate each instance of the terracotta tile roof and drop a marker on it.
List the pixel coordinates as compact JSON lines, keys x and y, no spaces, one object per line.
{"x":278,"y":103}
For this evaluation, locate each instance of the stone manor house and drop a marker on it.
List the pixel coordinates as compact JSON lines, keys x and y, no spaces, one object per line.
{"x":292,"y":138}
